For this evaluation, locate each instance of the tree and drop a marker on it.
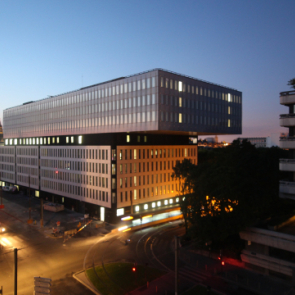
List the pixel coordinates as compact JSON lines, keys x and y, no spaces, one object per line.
{"x":230,"y":189}
{"x":292,"y":83}
{"x":184,"y":172}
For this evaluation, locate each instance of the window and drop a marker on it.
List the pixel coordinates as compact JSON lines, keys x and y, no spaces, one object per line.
{"x":180,"y":86}
{"x":120,"y":212}
{"x":114,"y":168}
{"x":127,"y":138}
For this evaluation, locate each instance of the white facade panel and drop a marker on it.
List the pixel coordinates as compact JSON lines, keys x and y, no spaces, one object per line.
{"x":7,"y":164}
{"x":27,"y":166}
{"x":78,"y":172}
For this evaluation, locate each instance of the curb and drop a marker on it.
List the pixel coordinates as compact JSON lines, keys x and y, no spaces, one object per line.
{"x":88,"y":286}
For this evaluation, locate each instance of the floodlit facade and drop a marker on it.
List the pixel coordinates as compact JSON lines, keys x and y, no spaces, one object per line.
{"x":287,"y":187}
{"x":109,"y":149}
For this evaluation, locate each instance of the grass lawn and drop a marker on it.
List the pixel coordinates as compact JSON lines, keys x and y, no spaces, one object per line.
{"x":198,"y":290}
{"x":123,"y":278}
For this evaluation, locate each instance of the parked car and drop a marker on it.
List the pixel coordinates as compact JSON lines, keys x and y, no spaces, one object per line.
{"x":10,"y":189}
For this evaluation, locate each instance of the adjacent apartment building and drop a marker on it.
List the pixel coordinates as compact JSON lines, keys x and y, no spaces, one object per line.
{"x":109,"y":149}
{"x":287,"y":187}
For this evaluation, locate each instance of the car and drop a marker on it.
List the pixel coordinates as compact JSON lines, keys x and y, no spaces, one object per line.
{"x":10,"y":189}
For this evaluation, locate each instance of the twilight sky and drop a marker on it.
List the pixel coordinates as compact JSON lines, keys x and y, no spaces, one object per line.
{"x":52,"y":47}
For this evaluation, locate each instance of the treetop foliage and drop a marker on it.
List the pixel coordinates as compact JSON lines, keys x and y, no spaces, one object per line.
{"x":292,"y":83}
{"x":230,"y":189}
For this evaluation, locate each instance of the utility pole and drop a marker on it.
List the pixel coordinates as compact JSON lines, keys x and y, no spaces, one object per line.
{"x":15,"y":271}
{"x":176,"y":264}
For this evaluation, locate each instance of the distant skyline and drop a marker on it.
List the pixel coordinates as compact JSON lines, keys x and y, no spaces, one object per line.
{"x":48,"y":48}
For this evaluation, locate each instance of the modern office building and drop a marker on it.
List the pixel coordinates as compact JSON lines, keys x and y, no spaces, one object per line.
{"x":287,"y":187}
{"x":109,"y":149}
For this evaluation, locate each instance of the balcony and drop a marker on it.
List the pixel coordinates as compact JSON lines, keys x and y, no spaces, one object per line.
{"x":287,"y":189}
{"x":287,"y":165}
{"x":287,"y":120}
{"x":287,"y":97}
{"x":287,"y":142}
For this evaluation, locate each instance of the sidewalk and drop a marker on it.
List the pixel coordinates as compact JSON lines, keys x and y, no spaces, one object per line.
{"x":17,"y":207}
{"x":81,"y":278}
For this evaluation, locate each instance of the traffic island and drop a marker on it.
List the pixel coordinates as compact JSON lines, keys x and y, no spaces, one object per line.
{"x":120,"y":278}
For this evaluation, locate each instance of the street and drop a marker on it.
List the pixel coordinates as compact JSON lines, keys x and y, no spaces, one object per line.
{"x":39,"y":254}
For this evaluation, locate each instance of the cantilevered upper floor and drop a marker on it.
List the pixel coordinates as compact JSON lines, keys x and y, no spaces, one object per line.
{"x":156,"y":101}
{"x":287,"y":97}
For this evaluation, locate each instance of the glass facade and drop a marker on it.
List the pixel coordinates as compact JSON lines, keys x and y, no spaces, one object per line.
{"x":152,"y":101}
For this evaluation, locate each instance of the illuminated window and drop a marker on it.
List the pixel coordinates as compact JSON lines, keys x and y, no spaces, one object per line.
{"x":153,"y":205}
{"x":228,"y":110}
{"x":37,"y":140}
{"x":166,"y":202}
{"x":180,"y":102}
{"x":6,"y":141}
{"x":177,"y":200}
{"x":10,"y":141}
{"x":37,"y":194}
{"x":158,"y":203}
{"x":53,"y":139}
{"x":57,"y":140}
{"x":170,"y":201}
{"x":120,"y":212}
{"x":229,"y":96}
{"x":228,"y":123}
{"x":67,"y":139}
{"x":48,"y":140}
{"x":72,"y":139}
{"x":146,"y":206}
{"x":80,"y":139}
{"x":180,"y":118}
{"x":41,"y":140}
{"x":44,"y":140}
{"x":30,"y":141}
{"x":180,"y":86}
{"x":15,"y":141}
{"x":127,"y":138}
{"x":136,"y":208}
